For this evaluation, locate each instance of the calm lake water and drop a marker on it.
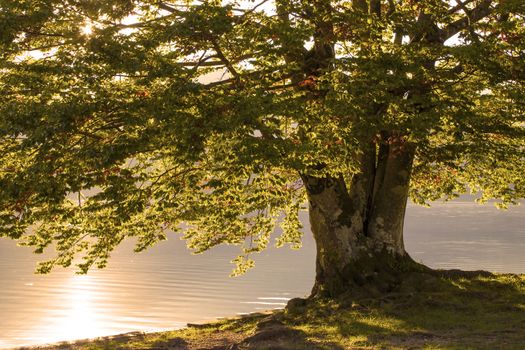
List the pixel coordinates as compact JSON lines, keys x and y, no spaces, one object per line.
{"x":166,"y":287}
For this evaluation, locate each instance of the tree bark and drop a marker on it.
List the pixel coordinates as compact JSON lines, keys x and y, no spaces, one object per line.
{"x":358,"y":228}
{"x":387,"y":215}
{"x":358,"y":224}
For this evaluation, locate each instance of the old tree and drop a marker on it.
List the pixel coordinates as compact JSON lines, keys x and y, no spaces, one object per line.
{"x":221,"y":119}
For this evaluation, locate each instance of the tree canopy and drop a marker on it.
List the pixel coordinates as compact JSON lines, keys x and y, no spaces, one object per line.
{"x":131,"y":118}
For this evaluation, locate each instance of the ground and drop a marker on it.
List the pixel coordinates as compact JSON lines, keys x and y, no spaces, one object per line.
{"x":446,"y":310}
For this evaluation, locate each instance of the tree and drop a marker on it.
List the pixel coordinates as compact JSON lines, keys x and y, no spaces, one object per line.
{"x":128,"y":118}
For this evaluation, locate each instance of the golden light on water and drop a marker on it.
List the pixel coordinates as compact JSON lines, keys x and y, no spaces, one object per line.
{"x":78,"y":312}
{"x":82,"y":318}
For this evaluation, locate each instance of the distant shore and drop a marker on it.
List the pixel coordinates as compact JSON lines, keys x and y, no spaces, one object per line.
{"x":454,"y":312}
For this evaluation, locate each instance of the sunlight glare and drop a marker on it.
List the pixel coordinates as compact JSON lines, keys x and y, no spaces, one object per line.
{"x":87,"y":29}
{"x":79,"y":317}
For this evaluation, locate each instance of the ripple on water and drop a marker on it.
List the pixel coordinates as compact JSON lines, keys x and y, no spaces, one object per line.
{"x":166,"y":287}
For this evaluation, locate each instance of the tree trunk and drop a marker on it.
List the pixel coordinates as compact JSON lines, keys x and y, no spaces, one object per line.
{"x":358,"y":226}
{"x":359,"y":230}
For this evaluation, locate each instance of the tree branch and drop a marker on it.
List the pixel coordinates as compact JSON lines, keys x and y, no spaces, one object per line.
{"x":223,"y":58}
{"x":476,"y":14}
{"x":166,"y":7}
{"x":459,"y":6}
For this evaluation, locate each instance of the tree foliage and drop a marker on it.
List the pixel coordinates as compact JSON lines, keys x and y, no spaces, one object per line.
{"x":128,"y":118}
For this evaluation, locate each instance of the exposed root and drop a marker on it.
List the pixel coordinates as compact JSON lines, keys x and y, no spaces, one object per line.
{"x":380,"y":278}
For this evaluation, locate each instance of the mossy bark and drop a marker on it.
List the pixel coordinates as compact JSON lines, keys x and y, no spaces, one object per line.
{"x":358,"y":228}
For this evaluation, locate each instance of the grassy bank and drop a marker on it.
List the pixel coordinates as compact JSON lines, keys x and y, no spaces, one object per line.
{"x":452,"y":311}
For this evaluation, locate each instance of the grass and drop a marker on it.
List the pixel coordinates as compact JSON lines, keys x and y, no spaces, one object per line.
{"x":482,"y":311}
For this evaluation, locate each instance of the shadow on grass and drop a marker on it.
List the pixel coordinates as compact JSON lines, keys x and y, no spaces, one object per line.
{"x":272,"y":334}
{"x":173,"y":343}
{"x":442,"y":310}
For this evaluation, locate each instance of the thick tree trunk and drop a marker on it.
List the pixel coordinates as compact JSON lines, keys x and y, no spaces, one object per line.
{"x":359,"y":230}
{"x":387,"y":215}
{"x":357,"y":225}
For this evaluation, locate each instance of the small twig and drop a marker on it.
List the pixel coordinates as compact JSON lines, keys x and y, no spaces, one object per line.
{"x":223,"y":58}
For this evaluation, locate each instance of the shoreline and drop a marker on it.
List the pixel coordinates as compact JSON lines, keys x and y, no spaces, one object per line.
{"x":455,"y":311}
{"x":129,"y":336}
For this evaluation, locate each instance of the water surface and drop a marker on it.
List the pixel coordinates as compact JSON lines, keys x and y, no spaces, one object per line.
{"x":166,"y":287}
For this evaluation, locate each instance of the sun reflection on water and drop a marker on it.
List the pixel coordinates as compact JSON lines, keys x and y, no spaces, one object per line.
{"x":78,"y":314}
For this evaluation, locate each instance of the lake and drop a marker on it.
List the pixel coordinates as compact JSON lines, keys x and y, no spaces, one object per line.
{"x":167,"y":287}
